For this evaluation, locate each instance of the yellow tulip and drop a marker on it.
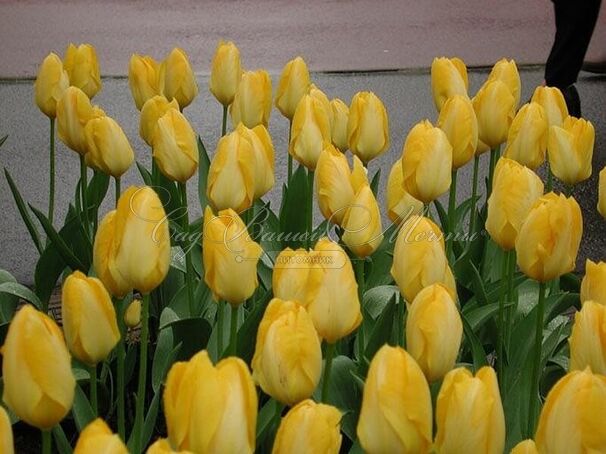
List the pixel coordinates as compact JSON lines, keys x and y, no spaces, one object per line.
{"x":419,"y":258}
{"x":132,"y":315}
{"x":396,"y":406}
{"x":507,"y":72}
{"x":363,"y":231}
{"x":175,"y":147}
{"x":367,"y":126}
{"x":294,"y":84}
{"x":548,"y":241}
{"x":448,"y":78}
{"x":51,"y":82}
{"x":334,"y":190}
{"x":310,"y":131}
{"x":602,"y":193}
{"x":252,"y":102}
{"x":340,"y":118}
{"x":458,"y":121}
{"x":570,"y":149}
{"x":82,"y":67}
{"x":291,"y":271}
{"x":228,"y":251}
{"x":143,"y":78}
{"x":434,"y":331}
{"x":317,"y":424}
{"x":36,"y":368}
{"x":525,"y":447}
{"x":263,"y":157}
{"x":593,"y":285}
{"x":109,"y":150}
{"x":400,"y":204}
{"x":527,"y":137}
{"x":288,"y":358}
{"x":225,"y":72}
{"x":318,"y":94}
{"x":588,"y":338}
{"x":211,"y":409}
{"x":515,"y":189}
{"x":569,"y":422}
{"x":332,"y":292}
{"x":426,"y":162}
{"x":495,"y":109}
{"x":6,"y":433}
{"x":97,"y":437}
{"x":89,"y":318}
{"x":469,"y":413}
{"x":74,"y":110}
{"x":177,"y":79}
{"x":154,"y":109}
{"x":553,"y":102}
{"x":162,"y":446}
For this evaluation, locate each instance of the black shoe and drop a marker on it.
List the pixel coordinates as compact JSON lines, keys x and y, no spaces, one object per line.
{"x":573,"y":101}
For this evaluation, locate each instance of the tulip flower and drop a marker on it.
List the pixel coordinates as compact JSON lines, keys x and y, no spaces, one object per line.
{"x":458,"y":121}
{"x":548,"y":240}
{"x":525,"y":447}
{"x":310,"y":131}
{"x":570,"y":149}
{"x":495,"y":109}
{"x":154,"y":109}
{"x":340,"y":118}
{"x":225,"y":73}
{"x":602,"y":193}
{"x":175,"y":147}
{"x":143,"y":78}
{"x":51,"y":82}
{"x":6,"y":433}
{"x":367,"y":126}
{"x":263,"y":157}
{"x":288,"y":358}
{"x":317,"y":424}
{"x":569,"y":423}
{"x":593,"y":285}
{"x":82,"y":67}
{"x":89,"y":318}
{"x":162,"y":446}
{"x":132,"y":315}
{"x":36,"y":368}
{"x":434,"y":331}
{"x":318,"y":94}
{"x":515,"y":190}
{"x":211,"y":408}
{"x":507,"y":72}
{"x":227,"y":251}
{"x":177,"y":79}
{"x":396,"y":405}
{"x":252,"y":102}
{"x":400,"y":204}
{"x":469,"y":413}
{"x":109,"y":150}
{"x":588,"y":338}
{"x":294,"y":84}
{"x":426,"y":162}
{"x":74,"y":110}
{"x":291,"y":271}
{"x":553,"y":102}
{"x":363,"y":231}
{"x":527,"y":137}
{"x":97,"y":437}
{"x":419,"y":258}
{"x":448,"y":78}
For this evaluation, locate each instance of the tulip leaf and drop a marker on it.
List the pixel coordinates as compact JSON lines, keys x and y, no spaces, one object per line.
{"x":374,"y":183}
{"x":375,"y":299}
{"x":381,"y":332}
{"x":267,"y":424}
{"x":292,"y":212}
{"x":81,"y":410}
{"x":147,"y":178}
{"x":97,"y":189}
{"x":150,"y":418}
{"x":442,"y":215}
{"x":477,"y":316}
{"x":203,"y":166}
{"x":3,"y":139}
{"x":247,"y":332}
{"x":475,"y":345}
{"x":478,"y":286}
{"x":61,"y":441}
{"x":21,"y":291}
{"x":164,"y":356}
{"x":24,"y":212}
{"x":380,"y":264}
{"x":8,"y":302}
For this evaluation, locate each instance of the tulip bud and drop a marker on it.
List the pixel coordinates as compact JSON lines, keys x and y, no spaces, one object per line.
{"x":525,"y":447}
{"x":434,"y":331}
{"x":448,"y":78}
{"x":333,"y":184}
{"x":570,"y":149}
{"x":143,"y":78}
{"x":588,"y":338}
{"x":469,"y":413}
{"x":310,"y":131}
{"x":82,"y":67}
{"x":228,"y":251}
{"x":74,"y":110}
{"x":363,"y":231}
{"x":288,"y":358}
{"x":569,"y":423}
{"x":459,"y":123}
{"x":396,"y":405}
{"x":317,"y":424}
{"x":367,"y":126}
{"x":291,"y":271}
{"x":177,"y":79}
{"x":252,"y":102}
{"x":553,"y":102}
{"x":6,"y":433}
{"x":263,"y":157}
{"x":154,"y":109}
{"x":294,"y":84}
{"x":318,"y":94}
{"x":36,"y":368}
{"x":419,"y":258}
{"x":132,"y":315}
{"x":426,"y":162}
{"x":602,"y":193}
{"x":225,"y":72}
{"x":548,"y":241}
{"x":515,"y":189}
{"x":400,"y":204}
{"x":108,"y":148}
{"x":175,"y":147}
{"x":507,"y":72}
{"x":593,"y":285}
{"x":340,"y":117}
{"x":162,"y":446}
{"x":211,"y":408}
{"x":332,"y":292}
{"x":495,"y":109}
{"x":97,"y":437}
{"x":527,"y":137}
{"x":51,"y":82}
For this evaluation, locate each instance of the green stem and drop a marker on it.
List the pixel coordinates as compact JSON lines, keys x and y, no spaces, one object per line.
{"x":224,"y":123}
{"x":310,"y":206}
{"x":93,"y":389}
{"x":494,"y":156}
{"x":330,"y":353}
{"x":118,"y":191}
{"x":189,"y":268}
{"x":220,"y":315}
{"x":233,"y":334}
{"x":140,"y":404}
{"x":474,"y":194}
{"x":46,"y":441}
{"x":536,"y":366}
{"x":83,"y":187}
{"x":452,"y":205}
{"x":121,"y":356}
{"x":512,"y":310}
{"x":289,"y":155}
{"x":501,"y":320}
{"x":51,"y":195}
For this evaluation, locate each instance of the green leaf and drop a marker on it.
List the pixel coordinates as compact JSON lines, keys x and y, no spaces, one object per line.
{"x":81,"y":410}
{"x":292,"y":212}
{"x":375,"y":299}
{"x":477,"y":316}
{"x":3,"y":139}
{"x":248,"y":330}
{"x":8,"y":302}
{"x":381,"y":260}
{"x":97,"y":189}
{"x":477,"y":284}
{"x":24,"y":212}
{"x":147,"y":178}
{"x":475,"y":345}
{"x":21,"y":291}
{"x":164,"y":356}
{"x":150,"y":418}
{"x":203,"y":166}
{"x":61,"y":441}
{"x":374,"y":183}
{"x":381,"y":332}
{"x":267,"y":424}
{"x":442,"y":215}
